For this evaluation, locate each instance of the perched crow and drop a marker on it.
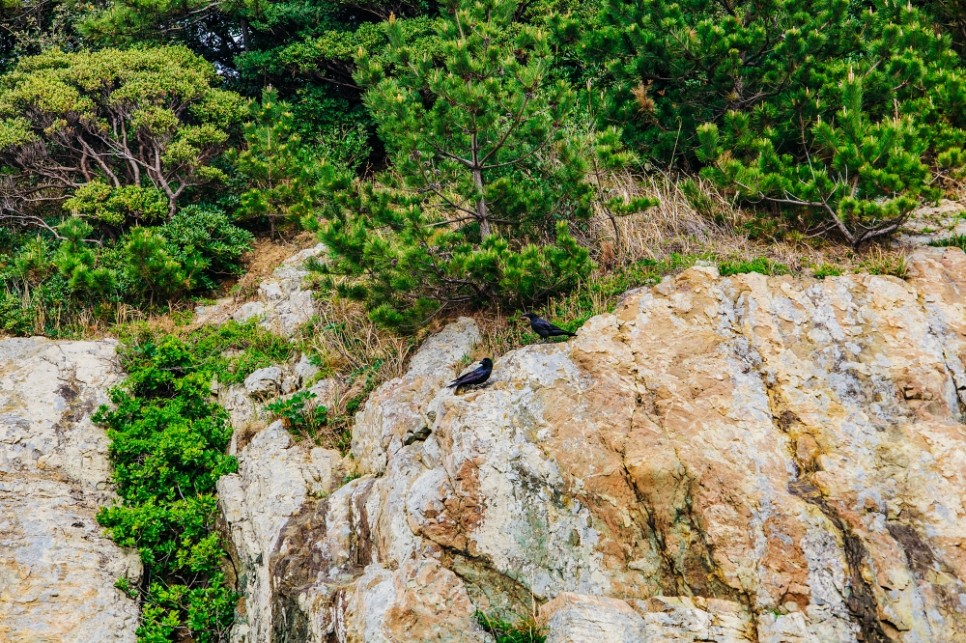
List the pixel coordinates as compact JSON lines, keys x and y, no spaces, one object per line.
{"x":544,"y":328}
{"x":477,"y":376}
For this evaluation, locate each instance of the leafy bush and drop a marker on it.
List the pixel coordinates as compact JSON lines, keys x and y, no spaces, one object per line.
{"x":522,"y":631}
{"x":60,"y":281}
{"x":860,"y":181}
{"x":207,"y":244}
{"x":298,"y":414}
{"x":167,"y":446}
{"x":168,"y":441}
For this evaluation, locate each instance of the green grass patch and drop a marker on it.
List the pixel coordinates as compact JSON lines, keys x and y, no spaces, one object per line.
{"x":521,"y":631}
{"x":168,"y":442}
{"x":956,"y":241}
{"x":824,"y":270}
{"x":761,"y":265}
{"x":881,"y":263}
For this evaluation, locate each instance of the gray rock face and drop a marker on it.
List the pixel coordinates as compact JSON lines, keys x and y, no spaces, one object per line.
{"x":276,"y":478}
{"x":931,"y":223}
{"x":746,"y":458}
{"x":281,"y":304}
{"x":57,"y":570}
{"x":265,"y":382}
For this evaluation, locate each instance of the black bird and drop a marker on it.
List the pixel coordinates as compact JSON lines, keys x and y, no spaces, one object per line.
{"x":544,"y":328}
{"x":477,"y":376}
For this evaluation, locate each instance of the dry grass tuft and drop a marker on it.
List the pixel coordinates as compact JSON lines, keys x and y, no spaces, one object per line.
{"x":344,"y":340}
{"x":674,"y":225}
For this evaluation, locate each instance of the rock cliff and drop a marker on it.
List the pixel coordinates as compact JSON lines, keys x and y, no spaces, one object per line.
{"x":57,"y":570}
{"x":747,"y":458}
{"x":739,"y":459}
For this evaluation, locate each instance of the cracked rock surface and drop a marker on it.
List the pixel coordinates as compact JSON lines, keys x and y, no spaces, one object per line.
{"x":57,"y":569}
{"x":746,"y":458}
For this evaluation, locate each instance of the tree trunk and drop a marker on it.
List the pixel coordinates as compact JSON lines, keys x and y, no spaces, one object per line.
{"x":481,"y":204}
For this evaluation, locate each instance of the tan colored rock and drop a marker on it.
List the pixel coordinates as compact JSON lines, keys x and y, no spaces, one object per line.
{"x":747,"y":458}
{"x":421,"y":601}
{"x":681,"y":618}
{"x":281,"y":304}
{"x":396,"y":411}
{"x":579,"y":617}
{"x":57,"y":569}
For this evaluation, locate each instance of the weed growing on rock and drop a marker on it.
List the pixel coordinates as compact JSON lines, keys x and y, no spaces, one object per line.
{"x":297,"y":413}
{"x":879,"y":262}
{"x":760,"y":265}
{"x":956,"y":241}
{"x":824,"y":270}
{"x":522,"y":631}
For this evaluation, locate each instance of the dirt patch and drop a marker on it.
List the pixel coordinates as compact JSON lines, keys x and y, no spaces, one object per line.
{"x":265,"y":256}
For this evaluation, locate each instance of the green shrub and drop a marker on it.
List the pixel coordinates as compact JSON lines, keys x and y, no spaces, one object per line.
{"x":168,"y":441}
{"x":521,"y":631}
{"x":168,"y":444}
{"x":860,"y":181}
{"x":298,"y":414}
{"x":207,"y":245}
{"x":60,"y":282}
{"x":280,"y":175}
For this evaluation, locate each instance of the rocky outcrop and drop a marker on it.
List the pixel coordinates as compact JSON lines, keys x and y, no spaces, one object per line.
{"x":747,"y":458}
{"x":933,"y":223}
{"x":280,"y":484}
{"x":58,"y":570}
{"x":281,"y":303}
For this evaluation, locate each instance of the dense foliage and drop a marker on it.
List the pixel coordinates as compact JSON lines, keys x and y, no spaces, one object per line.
{"x":168,"y":442}
{"x":487,"y":176}
{"x":841,"y":112}
{"x":53,"y":282}
{"x":451,"y":154}
{"x":120,"y":134}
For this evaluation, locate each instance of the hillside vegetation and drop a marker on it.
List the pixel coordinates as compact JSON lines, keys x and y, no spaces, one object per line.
{"x":453,"y":155}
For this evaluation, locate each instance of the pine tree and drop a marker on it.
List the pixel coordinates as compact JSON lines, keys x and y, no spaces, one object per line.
{"x":860,"y":181}
{"x":280,"y":173}
{"x":487,"y":180}
{"x":843,"y":108}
